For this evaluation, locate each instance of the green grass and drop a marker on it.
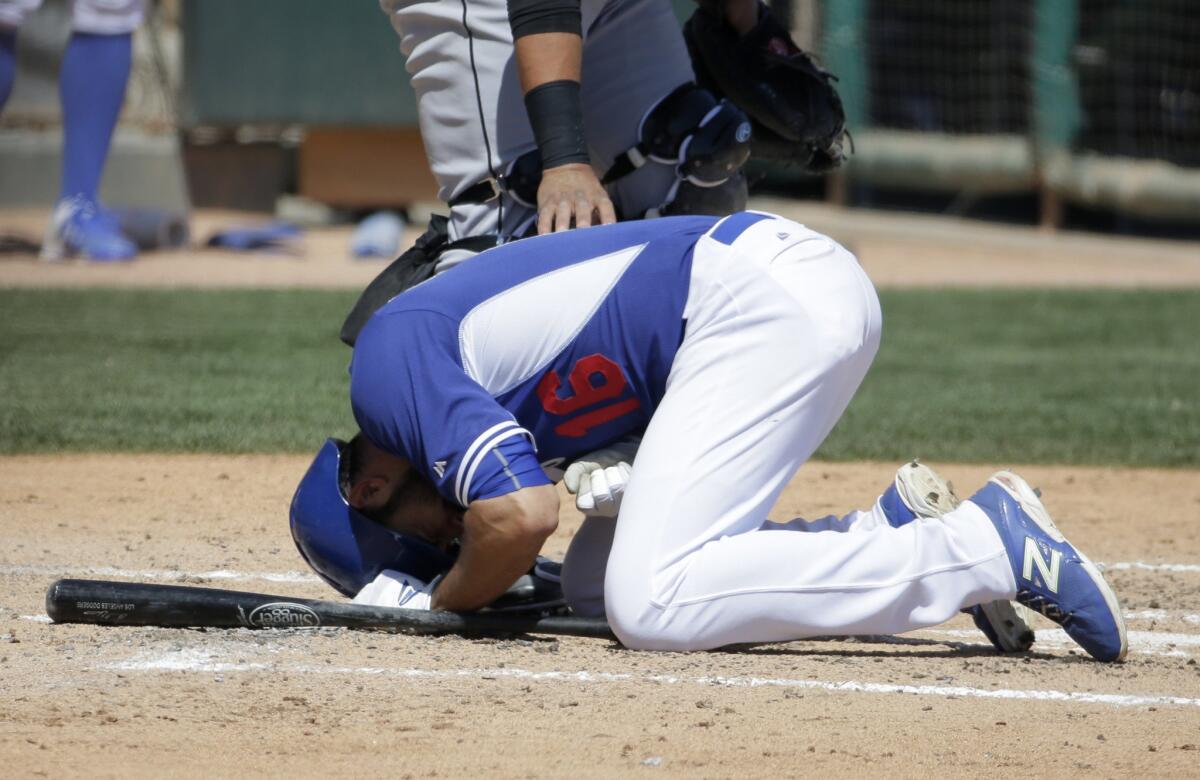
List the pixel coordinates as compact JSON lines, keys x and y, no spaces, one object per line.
{"x":1019,"y":376}
{"x":178,"y":371}
{"x":1105,"y":377}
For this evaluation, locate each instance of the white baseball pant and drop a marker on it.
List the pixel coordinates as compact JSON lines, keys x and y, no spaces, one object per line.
{"x":781,"y":328}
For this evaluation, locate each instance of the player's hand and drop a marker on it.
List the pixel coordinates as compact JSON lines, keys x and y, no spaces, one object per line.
{"x":572,"y":192}
{"x":598,"y":479}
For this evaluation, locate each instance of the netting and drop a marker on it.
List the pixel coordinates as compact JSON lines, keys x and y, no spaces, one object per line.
{"x":951,"y":67}
{"x":1138,"y":66}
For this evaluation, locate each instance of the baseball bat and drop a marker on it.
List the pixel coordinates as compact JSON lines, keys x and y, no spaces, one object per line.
{"x":108,"y":603}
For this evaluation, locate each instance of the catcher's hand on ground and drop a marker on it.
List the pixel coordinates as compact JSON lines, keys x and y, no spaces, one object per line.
{"x":572,"y":192}
{"x":598,"y":479}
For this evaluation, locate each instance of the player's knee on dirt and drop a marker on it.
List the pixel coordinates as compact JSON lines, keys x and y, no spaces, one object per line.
{"x":647,"y":626}
{"x":585,"y":597}
{"x":585,"y":564}
{"x":643,"y":620}
{"x":635,"y":619}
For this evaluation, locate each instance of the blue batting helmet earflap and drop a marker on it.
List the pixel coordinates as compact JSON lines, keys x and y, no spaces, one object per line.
{"x":346,"y":548}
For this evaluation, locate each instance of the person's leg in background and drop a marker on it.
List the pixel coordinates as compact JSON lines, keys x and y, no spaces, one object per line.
{"x":460,"y":57}
{"x":92,"y":81}
{"x":8,"y":62}
{"x":12,"y":14}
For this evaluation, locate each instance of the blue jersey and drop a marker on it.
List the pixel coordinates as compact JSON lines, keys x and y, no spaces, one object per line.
{"x":535,"y":352}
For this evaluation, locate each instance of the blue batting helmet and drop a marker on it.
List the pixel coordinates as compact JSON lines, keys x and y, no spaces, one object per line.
{"x":346,"y":548}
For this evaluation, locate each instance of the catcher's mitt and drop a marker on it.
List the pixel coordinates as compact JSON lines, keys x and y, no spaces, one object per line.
{"x":790,"y":99}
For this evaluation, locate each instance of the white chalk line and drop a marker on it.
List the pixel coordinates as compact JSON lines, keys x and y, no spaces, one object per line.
{"x":67,"y":570}
{"x":201,"y":661}
{"x":1163,"y":614}
{"x":158,"y":574}
{"x":1142,"y":642}
{"x":1142,"y":566}
{"x":1148,"y":614}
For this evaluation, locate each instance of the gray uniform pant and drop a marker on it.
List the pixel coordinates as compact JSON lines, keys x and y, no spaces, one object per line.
{"x":473,"y":122}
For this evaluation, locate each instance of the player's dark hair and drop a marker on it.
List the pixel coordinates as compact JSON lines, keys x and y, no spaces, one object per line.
{"x":353,"y":462}
{"x":350,"y":464}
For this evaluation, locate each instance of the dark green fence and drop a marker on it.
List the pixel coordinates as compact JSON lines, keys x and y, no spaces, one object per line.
{"x":320,"y":62}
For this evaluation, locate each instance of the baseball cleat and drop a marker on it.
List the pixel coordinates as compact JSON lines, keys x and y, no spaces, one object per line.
{"x":919,"y":491}
{"x":1053,"y":577}
{"x":79,"y":226}
{"x":1005,"y":624}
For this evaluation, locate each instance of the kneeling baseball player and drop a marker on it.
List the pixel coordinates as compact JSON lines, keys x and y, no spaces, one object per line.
{"x":731,"y":347}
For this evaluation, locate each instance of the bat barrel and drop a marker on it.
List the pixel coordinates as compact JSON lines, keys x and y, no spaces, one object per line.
{"x":103,"y":602}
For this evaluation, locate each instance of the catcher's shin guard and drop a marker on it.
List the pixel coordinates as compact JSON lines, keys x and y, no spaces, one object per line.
{"x":687,"y":198}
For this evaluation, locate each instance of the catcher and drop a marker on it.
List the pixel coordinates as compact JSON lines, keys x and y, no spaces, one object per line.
{"x":541,"y":115}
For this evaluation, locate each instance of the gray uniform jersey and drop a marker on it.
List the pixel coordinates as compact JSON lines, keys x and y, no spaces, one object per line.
{"x":463,"y":65}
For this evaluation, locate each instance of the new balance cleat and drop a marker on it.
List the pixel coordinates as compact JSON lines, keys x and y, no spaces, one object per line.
{"x":1053,"y":577}
{"x":919,"y":491}
{"x":1004,"y":623}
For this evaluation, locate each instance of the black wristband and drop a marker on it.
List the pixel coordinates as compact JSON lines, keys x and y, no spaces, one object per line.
{"x":531,"y":17}
{"x":556,"y":114}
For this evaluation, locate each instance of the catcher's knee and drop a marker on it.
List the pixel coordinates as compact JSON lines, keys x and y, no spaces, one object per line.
{"x":725,"y":198}
{"x":704,"y":140}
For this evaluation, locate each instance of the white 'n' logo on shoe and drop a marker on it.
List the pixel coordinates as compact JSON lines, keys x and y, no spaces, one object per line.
{"x":1049,"y":571}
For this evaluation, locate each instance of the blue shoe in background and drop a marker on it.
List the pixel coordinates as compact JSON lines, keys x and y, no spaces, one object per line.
{"x":78,"y":226}
{"x":378,"y":235}
{"x":1053,"y":577}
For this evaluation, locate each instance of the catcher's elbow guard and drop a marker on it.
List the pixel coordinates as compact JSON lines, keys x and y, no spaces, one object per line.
{"x":706,"y":139}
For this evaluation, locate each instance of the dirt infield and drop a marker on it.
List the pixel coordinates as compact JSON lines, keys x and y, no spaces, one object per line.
{"x":131,"y":702}
{"x":897,"y":250}
{"x":107,"y":702}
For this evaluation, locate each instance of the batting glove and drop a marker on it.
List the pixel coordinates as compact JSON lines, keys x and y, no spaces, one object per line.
{"x":397,"y":589}
{"x":598,"y":479}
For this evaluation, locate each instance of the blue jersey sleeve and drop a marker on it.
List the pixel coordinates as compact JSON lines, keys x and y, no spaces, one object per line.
{"x":411,"y":397}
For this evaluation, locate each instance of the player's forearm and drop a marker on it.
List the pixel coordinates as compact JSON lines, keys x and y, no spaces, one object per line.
{"x":549,"y":70}
{"x":547,"y":57}
{"x":501,"y":540}
{"x":548,"y":36}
